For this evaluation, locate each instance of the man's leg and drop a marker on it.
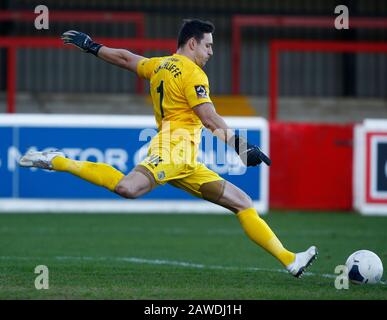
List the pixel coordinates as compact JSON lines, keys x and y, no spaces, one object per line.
{"x":256,"y":228}
{"x":208,"y":185}
{"x":135,"y":184}
{"x":100,"y":174}
{"x":138,"y":182}
{"x":231,"y":197}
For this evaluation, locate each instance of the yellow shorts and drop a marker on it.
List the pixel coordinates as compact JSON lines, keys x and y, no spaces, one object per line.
{"x":189,"y":177}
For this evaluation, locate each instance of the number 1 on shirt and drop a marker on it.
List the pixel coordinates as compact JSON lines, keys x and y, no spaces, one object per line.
{"x":160,"y":89}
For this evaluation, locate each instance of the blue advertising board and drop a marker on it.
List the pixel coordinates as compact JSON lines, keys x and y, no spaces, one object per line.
{"x":122,"y":142}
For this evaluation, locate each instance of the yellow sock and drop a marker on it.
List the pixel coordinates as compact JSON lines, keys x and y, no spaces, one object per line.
{"x":258,"y":231}
{"x":100,"y":174}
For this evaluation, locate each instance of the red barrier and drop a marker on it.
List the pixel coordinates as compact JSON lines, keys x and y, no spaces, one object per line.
{"x":312,"y":166}
{"x":239,"y":21}
{"x":278,"y":46}
{"x":137,"y":18}
{"x":13,"y":43}
{"x":85,"y":16}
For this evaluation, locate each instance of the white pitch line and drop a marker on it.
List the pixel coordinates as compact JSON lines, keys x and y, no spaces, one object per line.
{"x":184,"y":264}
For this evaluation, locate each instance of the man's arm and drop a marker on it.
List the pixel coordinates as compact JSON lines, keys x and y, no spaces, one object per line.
{"x":251,"y":155}
{"x":119,"y":57}
{"x":213,"y":121}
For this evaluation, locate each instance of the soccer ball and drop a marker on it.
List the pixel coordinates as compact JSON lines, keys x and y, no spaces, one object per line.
{"x":364,"y":266}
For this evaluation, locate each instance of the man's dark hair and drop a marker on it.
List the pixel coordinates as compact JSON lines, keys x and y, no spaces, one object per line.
{"x":193,"y":28}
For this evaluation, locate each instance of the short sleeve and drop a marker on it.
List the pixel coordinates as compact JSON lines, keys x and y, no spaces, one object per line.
{"x":146,"y":66}
{"x":197,"y":89}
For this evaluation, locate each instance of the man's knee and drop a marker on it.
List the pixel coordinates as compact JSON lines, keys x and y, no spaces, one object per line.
{"x":238,"y":203}
{"x":126,"y":191}
{"x":227,"y":195}
{"x":243,"y":203}
{"x":135,"y":184}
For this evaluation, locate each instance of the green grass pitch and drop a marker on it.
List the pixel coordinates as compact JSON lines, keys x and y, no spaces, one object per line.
{"x":166,"y":256}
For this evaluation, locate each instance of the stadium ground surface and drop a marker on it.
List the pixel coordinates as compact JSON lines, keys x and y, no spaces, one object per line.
{"x":113,"y":256}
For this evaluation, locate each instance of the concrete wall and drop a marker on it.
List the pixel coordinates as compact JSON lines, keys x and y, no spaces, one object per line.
{"x":297,"y":109}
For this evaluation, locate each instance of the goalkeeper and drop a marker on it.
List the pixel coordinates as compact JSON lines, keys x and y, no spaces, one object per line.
{"x":181,"y":100}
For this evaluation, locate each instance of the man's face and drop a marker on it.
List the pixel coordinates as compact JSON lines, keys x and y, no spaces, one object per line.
{"x":203,"y":50}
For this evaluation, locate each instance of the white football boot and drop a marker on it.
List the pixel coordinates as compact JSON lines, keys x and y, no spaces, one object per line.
{"x":38,"y":159}
{"x":303,"y":260}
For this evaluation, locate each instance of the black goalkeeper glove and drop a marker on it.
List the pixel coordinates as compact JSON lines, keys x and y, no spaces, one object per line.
{"x":81,"y":40}
{"x":250,"y":154}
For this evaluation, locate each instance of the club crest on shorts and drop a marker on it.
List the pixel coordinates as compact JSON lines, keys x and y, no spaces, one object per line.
{"x":201,"y":91}
{"x":161,"y":175}
{"x":153,"y":160}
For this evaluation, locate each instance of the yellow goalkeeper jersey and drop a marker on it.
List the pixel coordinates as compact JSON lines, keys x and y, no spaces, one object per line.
{"x":177,"y":85}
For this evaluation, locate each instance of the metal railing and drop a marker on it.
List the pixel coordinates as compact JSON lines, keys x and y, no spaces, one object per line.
{"x":243,"y":21}
{"x":278,"y":46}
{"x":12,"y":44}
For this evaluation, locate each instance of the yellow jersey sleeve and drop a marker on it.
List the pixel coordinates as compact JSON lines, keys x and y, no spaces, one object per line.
{"x":197,"y":89}
{"x":146,"y":66}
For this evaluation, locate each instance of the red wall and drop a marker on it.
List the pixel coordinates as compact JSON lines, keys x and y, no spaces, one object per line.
{"x":311,"y":166}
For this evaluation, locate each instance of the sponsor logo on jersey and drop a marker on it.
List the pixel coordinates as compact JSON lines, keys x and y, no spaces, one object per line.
{"x":201,"y":92}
